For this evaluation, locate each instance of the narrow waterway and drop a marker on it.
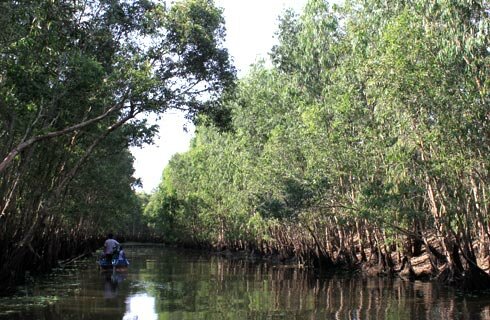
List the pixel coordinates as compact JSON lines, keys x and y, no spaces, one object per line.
{"x":165,"y":283}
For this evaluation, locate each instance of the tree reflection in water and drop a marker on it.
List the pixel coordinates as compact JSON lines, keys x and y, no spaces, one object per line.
{"x":275,"y":290}
{"x":166,"y":283}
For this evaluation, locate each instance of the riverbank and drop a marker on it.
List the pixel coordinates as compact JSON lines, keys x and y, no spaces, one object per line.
{"x":428,"y":265}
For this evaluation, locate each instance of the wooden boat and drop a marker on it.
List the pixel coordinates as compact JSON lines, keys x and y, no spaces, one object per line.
{"x":113,"y":265}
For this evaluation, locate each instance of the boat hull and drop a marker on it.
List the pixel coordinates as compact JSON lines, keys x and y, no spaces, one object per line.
{"x":117,"y":265}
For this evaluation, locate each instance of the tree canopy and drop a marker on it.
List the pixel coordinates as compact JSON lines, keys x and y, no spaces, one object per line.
{"x":77,"y":82}
{"x":366,"y":140}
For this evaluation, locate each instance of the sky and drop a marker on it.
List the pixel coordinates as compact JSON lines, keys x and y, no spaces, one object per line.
{"x":250,"y":28}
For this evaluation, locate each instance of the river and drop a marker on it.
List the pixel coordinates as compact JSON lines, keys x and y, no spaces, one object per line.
{"x":164,"y":283}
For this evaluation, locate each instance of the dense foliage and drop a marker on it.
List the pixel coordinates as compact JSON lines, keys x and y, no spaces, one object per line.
{"x":369,"y":136}
{"x":77,"y":79}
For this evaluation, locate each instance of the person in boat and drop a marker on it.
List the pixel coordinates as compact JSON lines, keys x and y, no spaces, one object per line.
{"x":110,"y":246}
{"x":121,"y":260}
{"x":122,"y":254}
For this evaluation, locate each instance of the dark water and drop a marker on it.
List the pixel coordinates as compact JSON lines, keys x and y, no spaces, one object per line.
{"x":176,"y":284}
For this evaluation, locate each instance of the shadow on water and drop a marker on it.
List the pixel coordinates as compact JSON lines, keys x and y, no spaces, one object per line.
{"x":165,"y":283}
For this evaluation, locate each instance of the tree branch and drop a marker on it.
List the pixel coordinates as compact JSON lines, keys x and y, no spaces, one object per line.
{"x":27,"y":143}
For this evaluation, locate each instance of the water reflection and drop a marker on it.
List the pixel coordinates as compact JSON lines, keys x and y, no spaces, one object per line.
{"x":140,"y":307}
{"x":198,"y":287}
{"x":111,"y":283}
{"x":171,"y":284}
